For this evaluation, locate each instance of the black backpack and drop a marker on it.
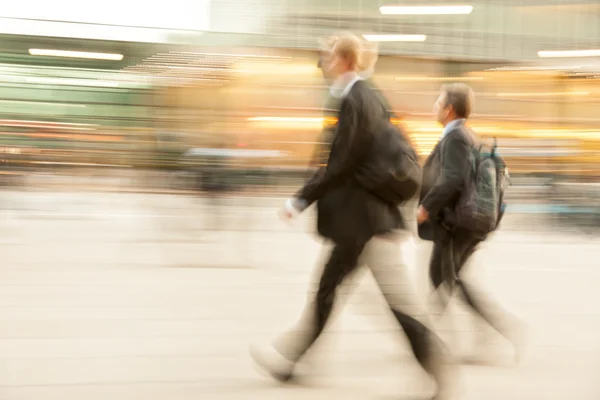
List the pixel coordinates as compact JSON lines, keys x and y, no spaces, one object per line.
{"x":481,"y":206}
{"x":391,"y":170}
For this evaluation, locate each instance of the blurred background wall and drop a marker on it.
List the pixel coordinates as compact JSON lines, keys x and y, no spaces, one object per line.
{"x":132,"y":86}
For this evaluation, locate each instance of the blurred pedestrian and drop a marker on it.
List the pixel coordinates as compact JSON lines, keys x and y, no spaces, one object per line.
{"x":362,"y":228}
{"x":445,"y":173}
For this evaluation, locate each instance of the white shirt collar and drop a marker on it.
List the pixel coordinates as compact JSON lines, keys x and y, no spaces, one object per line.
{"x":342,"y":85}
{"x":453,"y":124}
{"x":367,"y":73}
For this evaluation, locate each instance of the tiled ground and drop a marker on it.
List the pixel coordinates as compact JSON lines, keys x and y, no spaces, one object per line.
{"x":132,"y":297}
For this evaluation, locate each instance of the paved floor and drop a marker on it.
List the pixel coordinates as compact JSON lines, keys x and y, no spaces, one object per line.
{"x":134,"y":297}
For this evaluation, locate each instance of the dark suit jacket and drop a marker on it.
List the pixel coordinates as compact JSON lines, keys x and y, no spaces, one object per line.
{"x":444,"y":176}
{"x":332,"y":107}
{"x":346,"y":212}
{"x":321,"y":152}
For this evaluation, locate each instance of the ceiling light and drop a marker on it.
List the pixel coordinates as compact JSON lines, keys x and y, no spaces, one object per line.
{"x":233,"y":152}
{"x":569,"y":53}
{"x":426,"y":10}
{"x":538,"y":68}
{"x":542,"y":94}
{"x":14,"y":26}
{"x":439,"y":78}
{"x":285,"y":119}
{"x":75,"y":54}
{"x":42,"y":103}
{"x":71,"y":82}
{"x":395,"y":38}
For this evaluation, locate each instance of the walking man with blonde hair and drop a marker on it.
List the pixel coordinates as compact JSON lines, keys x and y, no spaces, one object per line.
{"x":363,"y":229}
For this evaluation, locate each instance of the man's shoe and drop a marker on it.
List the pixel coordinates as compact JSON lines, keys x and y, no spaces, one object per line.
{"x":271,"y":361}
{"x":444,"y":370}
{"x":447,"y":380}
{"x":518,"y":337}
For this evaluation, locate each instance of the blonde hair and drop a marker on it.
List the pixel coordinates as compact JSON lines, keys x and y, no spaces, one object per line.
{"x":370,"y":55}
{"x":326,"y":44}
{"x":349,"y":47}
{"x":368,"y":51}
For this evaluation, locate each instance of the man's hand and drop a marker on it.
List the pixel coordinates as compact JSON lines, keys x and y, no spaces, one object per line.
{"x":422,"y":215}
{"x":285,"y":215}
{"x":291,"y":209}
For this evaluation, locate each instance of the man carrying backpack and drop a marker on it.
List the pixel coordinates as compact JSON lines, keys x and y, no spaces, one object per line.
{"x":357,"y":195}
{"x":460,"y":203}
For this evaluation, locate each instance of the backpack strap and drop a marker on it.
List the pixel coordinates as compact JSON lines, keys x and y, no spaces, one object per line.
{"x":470,"y":136}
{"x":494,"y":147}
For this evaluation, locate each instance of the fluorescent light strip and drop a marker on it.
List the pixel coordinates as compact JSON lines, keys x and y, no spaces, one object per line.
{"x":226,"y":55}
{"x":13,"y":26}
{"x":42,"y":123}
{"x":543,"y":94}
{"x":41,"y":103}
{"x":22,"y":67}
{"x":71,"y":82}
{"x":569,"y":53}
{"x":235,"y":152}
{"x":112,"y":81}
{"x":395,"y":38}
{"x":538,"y":68}
{"x":426,"y":10}
{"x":76,"y":54}
{"x":285,"y":119}
{"x":439,"y":78}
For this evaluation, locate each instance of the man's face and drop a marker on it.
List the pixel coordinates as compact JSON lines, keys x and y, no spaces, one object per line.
{"x":440,"y":109}
{"x":324,"y":61}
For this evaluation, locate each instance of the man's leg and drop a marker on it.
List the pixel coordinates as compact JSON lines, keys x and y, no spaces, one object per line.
{"x":480,"y":300}
{"x":440,"y":269}
{"x":383,"y":257}
{"x":292,"y":345}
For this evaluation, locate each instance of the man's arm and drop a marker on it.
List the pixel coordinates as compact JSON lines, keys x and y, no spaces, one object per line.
{"x":351,"y":146}
{"x":456,"y":163}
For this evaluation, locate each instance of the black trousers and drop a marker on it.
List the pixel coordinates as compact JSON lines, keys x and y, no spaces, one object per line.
{"x":450,"y":254}
{"x":382,"y":256}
